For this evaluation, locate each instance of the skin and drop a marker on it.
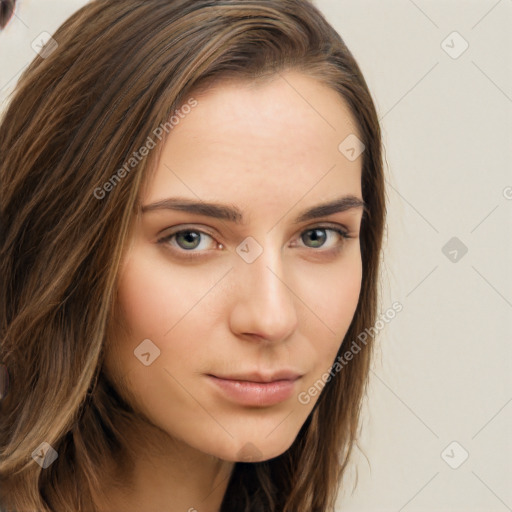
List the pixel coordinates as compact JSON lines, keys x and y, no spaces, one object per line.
{"x":272,"y":154}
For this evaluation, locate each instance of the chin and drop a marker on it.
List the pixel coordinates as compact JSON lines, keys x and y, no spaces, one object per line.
{"x":253,"y":450}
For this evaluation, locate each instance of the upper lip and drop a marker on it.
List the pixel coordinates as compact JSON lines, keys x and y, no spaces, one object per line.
{"x":262,"y":377}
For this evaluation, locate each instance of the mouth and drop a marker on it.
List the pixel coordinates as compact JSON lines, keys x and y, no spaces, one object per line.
{"x":255,"y":389}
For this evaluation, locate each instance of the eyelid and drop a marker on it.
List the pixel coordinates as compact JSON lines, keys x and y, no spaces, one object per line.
{"x":173,"y":230}
{"x":211,"y":232}
{"x":326,"y":225}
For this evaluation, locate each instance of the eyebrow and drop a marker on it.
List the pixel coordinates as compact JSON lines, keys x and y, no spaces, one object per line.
{"x":232,"y":213}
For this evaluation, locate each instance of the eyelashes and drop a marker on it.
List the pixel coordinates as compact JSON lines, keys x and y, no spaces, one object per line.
{"x":182,"y":242}
{"x":6,"y":12}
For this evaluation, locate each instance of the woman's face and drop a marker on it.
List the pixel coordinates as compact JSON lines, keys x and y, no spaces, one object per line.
{"x":210,"y":299}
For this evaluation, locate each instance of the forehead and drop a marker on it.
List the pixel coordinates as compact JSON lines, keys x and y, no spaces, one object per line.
{"x":271,"y":142}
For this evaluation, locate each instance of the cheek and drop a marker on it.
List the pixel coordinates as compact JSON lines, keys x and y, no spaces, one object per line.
{"x":156,"y":297}
{"x":330,"y":294}
{"x":166,"y":304}
{"x":150,"y":304}
{"x":156,"y":303}
{"x":146,"y":298}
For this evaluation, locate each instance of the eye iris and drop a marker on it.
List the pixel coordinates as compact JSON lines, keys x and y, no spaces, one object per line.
{"x":319,"y":240}
{"x":189,"y":237}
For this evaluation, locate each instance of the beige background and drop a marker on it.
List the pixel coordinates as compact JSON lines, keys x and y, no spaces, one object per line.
{"x":443,"y":370}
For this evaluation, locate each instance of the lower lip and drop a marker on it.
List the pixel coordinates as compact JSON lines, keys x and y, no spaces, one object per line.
{"x":256,"y":394}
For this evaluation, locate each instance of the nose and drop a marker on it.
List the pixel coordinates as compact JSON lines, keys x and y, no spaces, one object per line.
{"x":263,"y":301}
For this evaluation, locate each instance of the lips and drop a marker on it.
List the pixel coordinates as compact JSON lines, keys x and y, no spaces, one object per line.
{"x":256,"y":389}
{"x":261,"y":377}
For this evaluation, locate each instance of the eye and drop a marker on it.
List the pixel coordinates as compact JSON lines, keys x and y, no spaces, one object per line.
{"x":318,"y":236}
{"x":191,"y":240}
{"x":186,"y":239}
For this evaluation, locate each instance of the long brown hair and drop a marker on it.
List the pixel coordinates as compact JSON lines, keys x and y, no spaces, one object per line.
{"x":118,"y":70}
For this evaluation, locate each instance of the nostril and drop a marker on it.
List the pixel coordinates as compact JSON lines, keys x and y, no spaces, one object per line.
{"x":6,"y":12}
